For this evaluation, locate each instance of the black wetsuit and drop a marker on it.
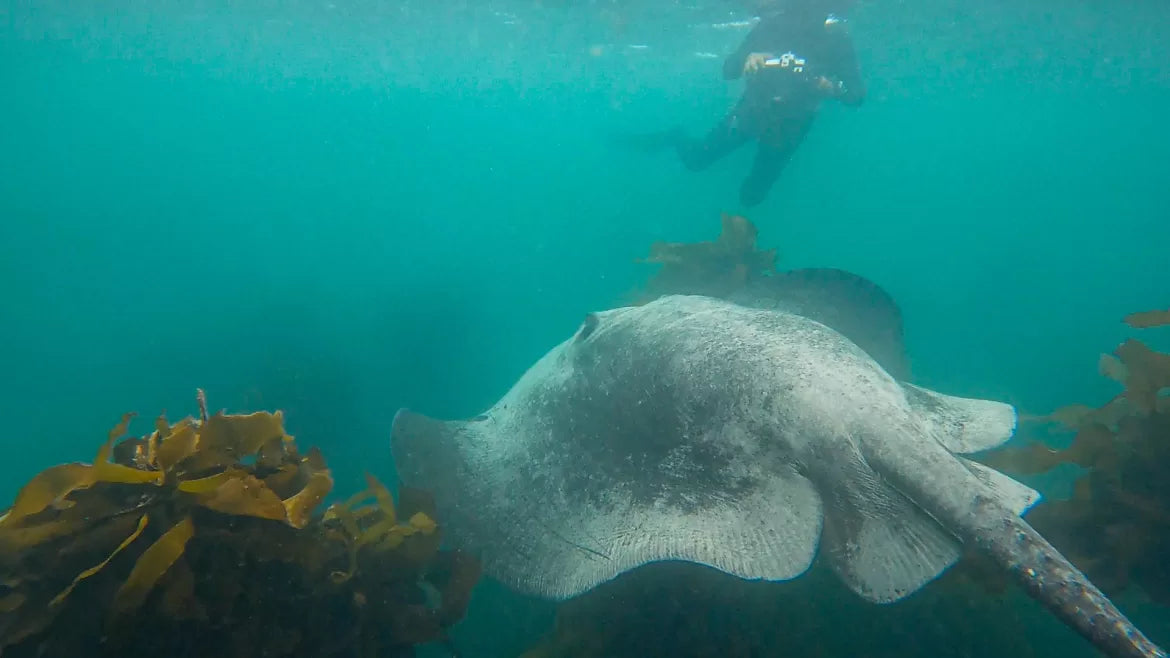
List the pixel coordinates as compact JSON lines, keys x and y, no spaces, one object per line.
{"x":779,"y":104}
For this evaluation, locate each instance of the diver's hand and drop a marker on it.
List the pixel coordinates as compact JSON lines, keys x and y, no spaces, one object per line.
{"x":827,"y":86}
{"x":755,"y":62}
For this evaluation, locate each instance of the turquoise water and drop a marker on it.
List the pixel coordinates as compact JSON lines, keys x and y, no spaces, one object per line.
{"x":342,"y":209}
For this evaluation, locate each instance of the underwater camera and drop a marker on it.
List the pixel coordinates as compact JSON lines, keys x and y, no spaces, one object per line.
{"x":786,"y":61}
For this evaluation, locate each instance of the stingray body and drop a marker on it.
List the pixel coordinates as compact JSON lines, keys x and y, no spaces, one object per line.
{"x":746,"y":439}
{"x":852,"y":305}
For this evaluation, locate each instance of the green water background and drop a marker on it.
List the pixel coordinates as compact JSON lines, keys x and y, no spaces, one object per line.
{"x":343,"y":209}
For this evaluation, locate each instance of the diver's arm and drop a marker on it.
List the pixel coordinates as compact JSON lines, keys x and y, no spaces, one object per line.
{"x":851,"y":87}
{"x":733,"y":65}
{"x":754,"y":42}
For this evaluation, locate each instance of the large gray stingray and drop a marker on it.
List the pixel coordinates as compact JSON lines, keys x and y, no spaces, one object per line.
{"x":742,"y":438}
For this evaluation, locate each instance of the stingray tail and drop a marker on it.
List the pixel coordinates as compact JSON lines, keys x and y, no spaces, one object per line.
{"x":937,"y":480}
{"x":1053,"y":581}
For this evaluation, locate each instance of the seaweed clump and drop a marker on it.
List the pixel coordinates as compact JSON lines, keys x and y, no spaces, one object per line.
{"x":1116,"y":525}
{"x":713,"y":268}
{"x":202,"y":539}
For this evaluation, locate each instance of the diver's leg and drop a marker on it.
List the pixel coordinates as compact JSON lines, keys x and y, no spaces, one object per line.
{"x":776,"y":147}
{"x":698,"y":154}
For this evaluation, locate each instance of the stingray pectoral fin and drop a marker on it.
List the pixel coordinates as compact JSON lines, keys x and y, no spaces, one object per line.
{"x":1013,"y":495}
{"x":963,"y":425}
{"x":885,"y":547}
{"x":426,"y":450}
{"x":538,"y":531}
{"x":882,"y":545}
{"x":769,"y":533}
{"x":772,"y":534}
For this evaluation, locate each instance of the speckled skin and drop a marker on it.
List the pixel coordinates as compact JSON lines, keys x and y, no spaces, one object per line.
{"x":1052,"y":580}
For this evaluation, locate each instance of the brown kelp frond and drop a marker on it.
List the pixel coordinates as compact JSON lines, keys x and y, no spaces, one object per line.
{"x":1148,"y":319}
{"x":203,"y":538}
{"x":376,"y":527}
{"x":1117,"y":524}
{"x":1146,"y":373}
{"x":52,"y":487}
{"x":715,"y":268}
{"x":318,"y":482}
{"x":1092,"y":444}
{"x":92,"y":570}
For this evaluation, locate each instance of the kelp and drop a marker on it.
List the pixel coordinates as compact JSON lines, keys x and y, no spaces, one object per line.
{"x":205,"y":538}
{"x":1146,"y":373}
{"x":715,"y":268}
{"x":1148,"y":319}
{"x":1116,"y":525}
{"x":155,"y":561}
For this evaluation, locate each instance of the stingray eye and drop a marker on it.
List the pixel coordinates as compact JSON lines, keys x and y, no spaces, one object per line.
{"x":588,"y":326}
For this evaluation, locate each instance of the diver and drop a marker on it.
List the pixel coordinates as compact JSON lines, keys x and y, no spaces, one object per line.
{"x":798,"y":55}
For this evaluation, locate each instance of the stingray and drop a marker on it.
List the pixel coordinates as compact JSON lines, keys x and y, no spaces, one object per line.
{"x":853,"y":305}
{"x":747,"y":439}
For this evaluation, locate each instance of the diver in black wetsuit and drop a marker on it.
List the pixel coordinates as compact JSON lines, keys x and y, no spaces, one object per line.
{"x":797,"y":56}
